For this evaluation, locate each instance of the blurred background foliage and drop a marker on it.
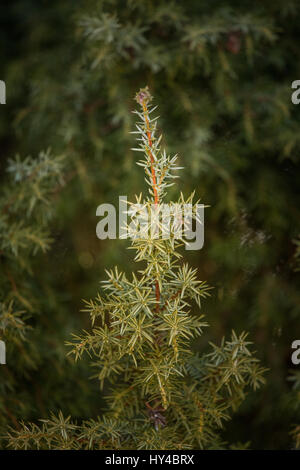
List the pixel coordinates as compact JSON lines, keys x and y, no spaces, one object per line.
{"x":221,"y":73}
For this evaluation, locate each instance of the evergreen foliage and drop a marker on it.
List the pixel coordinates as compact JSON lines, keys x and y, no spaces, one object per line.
{"x":221,"y":73}
{"x":27,"y":207}
{"x":162,"y":396}
{"x":24,"y":220}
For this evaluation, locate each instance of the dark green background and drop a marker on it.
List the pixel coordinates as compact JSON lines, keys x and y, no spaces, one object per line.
{"x":221,"y":73}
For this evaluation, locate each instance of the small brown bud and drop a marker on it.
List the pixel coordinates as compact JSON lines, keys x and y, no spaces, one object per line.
{"x":143,"y":96}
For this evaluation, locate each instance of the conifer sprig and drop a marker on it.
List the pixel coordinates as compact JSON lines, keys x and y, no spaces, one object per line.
{"x":162,"y":394}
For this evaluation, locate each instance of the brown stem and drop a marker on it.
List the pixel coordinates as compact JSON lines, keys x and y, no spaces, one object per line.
{"x":156,"y":198}
{"x":155,"y":192}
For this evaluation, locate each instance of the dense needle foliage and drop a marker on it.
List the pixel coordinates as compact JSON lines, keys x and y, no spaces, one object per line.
{"x":221,"y":73}
{"x":162,"y":396}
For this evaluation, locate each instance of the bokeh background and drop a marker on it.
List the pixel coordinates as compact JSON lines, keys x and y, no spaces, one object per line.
{"x":221,"y":73}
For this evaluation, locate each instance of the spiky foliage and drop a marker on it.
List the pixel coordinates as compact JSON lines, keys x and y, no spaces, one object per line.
{"x":222,"y":74}
{"x":162,"y":395}
{"x":25,"y":213}
{"x":27,"y":207}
